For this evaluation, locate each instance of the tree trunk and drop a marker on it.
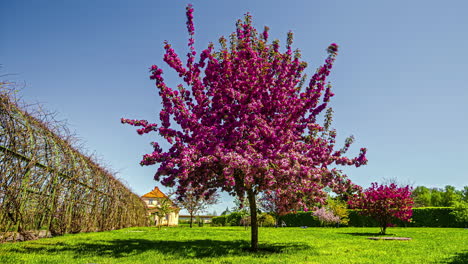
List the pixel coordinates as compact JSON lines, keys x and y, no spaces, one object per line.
{"x":383,"y":225}
{"x":253,"y":219}
{"x":191,"y":220}
{"x":383,"y":230}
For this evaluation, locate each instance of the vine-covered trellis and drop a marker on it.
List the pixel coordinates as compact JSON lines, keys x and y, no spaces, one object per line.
{"x":46,"y":183}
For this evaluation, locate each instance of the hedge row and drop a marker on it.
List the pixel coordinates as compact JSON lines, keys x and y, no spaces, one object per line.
{"x":235,"y":219}
{"x":422,"y":217}
{"x":296,"y":219}
{"x":300,"y":219}
{"x":434,"y":217}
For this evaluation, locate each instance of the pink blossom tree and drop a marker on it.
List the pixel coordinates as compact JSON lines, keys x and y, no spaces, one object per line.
{"x":326,"y":216}
{"x":384,"y":203}
{"x":245,"y":122}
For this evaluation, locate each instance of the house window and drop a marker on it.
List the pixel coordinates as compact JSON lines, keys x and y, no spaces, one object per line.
{"x":150,"y":201}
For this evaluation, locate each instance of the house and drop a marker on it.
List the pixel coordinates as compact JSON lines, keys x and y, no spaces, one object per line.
{"x":153,"y":201}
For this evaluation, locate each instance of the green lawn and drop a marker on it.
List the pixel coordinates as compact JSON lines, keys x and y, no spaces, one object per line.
{"x":227,"y":245}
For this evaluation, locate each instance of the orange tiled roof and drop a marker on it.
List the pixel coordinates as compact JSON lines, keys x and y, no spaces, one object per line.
{"x":155,"y":193}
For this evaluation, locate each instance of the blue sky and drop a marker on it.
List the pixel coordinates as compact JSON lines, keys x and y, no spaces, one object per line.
{"x":400,"y":78}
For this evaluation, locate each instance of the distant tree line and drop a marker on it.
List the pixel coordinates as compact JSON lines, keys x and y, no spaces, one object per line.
{"x":439,"y":197}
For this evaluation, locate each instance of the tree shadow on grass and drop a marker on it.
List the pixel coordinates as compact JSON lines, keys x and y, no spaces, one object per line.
{"x":366,"y":234}
{"x":459,"y":258}
{"x":119,"y":248}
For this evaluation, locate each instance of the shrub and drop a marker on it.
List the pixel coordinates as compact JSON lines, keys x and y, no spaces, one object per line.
{"x":339,"y":208}
{"x":234,"y":218}
{"x":266,"y":220}
{"x":460,"y":211}
{"x":219,"y":220}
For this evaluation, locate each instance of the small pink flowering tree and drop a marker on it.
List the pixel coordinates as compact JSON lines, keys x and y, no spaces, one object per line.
{"x":385,"y":203}
{"x":244,"y":121}
{"x":326,"y":216}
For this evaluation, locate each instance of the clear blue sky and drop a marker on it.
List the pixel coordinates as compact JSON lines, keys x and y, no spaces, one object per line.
{"x":400,"y":78}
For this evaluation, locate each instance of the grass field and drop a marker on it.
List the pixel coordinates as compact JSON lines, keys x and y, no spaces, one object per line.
{"x":227,"y":245}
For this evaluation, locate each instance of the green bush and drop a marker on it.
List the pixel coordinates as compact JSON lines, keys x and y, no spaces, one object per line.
{"x":339,"y":208}
{"x":234,"y":218}
{"x":460,"y":211}
{"x":266,"y":220}
{"x":219,"y":220}
{"x":299,"y":219}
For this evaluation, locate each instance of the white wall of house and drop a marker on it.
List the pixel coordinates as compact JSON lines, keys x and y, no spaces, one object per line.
{"x":171,"y":219}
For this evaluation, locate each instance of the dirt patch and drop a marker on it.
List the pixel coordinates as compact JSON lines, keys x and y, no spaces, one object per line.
{"x":390,"y":238}
{"x":23,"y":236}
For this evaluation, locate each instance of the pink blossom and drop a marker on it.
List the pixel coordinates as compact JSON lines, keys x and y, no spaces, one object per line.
{"x":385,"y":203}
